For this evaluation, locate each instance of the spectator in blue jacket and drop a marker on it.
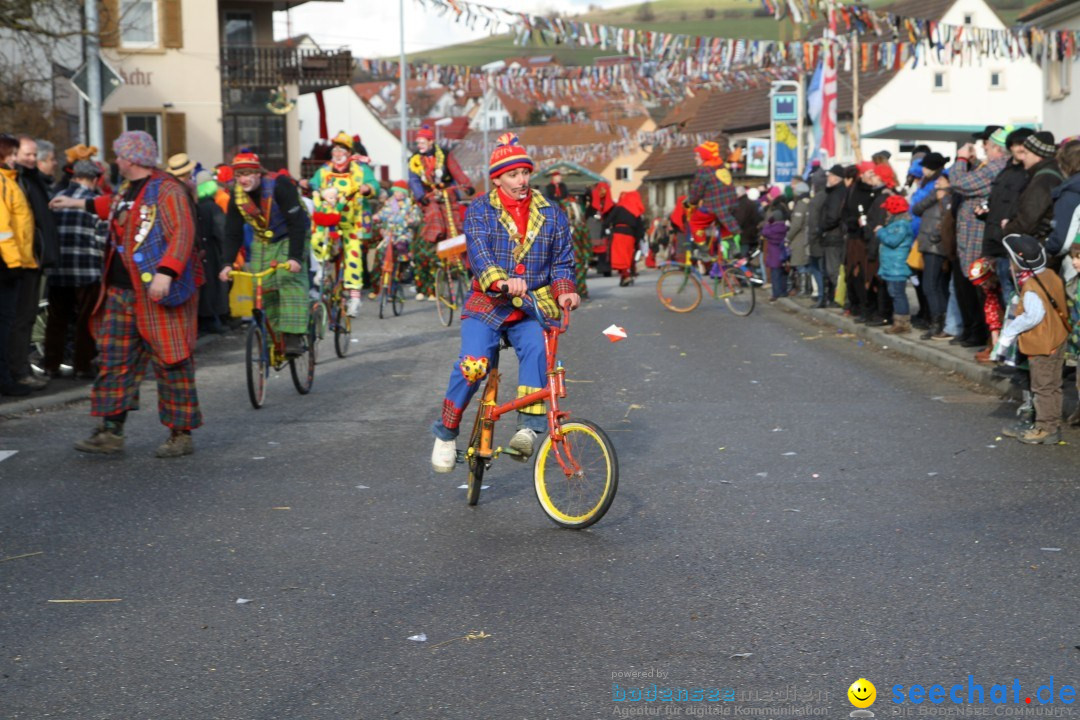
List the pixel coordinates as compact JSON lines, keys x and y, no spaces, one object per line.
{"x":896,"y":238}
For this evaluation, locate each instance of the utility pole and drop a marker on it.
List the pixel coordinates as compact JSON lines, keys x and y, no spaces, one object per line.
{"x":402,"y":108}
{"x":95,"y":131}
{"x":855,"y":132}
{"x":485,"y":123}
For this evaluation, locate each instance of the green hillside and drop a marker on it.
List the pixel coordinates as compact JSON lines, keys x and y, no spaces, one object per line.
{"x":720,"y":18}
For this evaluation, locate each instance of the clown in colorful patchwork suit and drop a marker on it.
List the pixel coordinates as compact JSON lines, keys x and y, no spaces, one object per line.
{"x":147,"y":311}
{"x":435,"y":179}
{"x":518,"y":242}
{"x":355,"y":183}
{"x":397,"y":220}
{"x":712,"y":198}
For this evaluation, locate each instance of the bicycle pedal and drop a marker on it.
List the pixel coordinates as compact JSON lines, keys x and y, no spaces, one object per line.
{"x":461,"y":457}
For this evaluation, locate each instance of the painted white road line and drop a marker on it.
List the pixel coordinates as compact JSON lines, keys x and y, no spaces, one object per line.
{"x":5,"y":454}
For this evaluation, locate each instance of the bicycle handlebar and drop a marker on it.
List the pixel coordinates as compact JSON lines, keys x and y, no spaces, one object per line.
{"x":533,"y":303}
{"x":274,"y":267}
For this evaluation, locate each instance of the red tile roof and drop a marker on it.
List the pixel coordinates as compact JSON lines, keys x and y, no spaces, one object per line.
{"x":1042,"y":8}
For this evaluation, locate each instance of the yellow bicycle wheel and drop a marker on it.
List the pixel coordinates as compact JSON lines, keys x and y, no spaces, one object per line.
{"x":577,"y":495}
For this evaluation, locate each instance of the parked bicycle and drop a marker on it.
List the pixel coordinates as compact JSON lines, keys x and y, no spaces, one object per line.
{"x":575,"y":469}
{"x":266,"y":346}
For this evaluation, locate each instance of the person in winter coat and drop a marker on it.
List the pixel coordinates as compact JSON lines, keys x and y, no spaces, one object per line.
{"x":798,"y":238}
{"x":1066,"y":198}
{"x":749,"y":219}
{"x":860,"y":198}
{"x":1005,"y":191}
{"x":210,"y":226}
{"x":930,"y":211}
{"x":895,"y":239}
{"x":813,"y":221}
{"x":1035,"y":209}
{"x":774,"y":236}
{"x":971,"y":182}
{"x":832,"y":228}
{"x":626,"y":225}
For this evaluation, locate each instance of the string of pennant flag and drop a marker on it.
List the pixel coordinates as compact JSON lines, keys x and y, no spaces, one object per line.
{"x":646,"y":81}
{"x":897,"y":39}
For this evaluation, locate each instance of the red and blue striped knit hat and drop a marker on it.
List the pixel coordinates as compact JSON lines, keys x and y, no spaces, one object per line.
{"x":508,"y":155}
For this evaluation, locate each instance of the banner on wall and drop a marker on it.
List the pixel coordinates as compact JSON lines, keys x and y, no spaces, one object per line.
{"x":757,"y":157}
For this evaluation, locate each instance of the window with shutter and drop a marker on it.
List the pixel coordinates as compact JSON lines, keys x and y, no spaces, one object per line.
{"x":172,"y":27}
{"x":140,"y":23}
{"x":175,"y":133}
{"x":109,"y":23}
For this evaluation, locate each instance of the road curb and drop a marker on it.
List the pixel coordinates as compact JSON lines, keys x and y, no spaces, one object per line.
{"x":38,"y":403}
{"x":941,"y":355}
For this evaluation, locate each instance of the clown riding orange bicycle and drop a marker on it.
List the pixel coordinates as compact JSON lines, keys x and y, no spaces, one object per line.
{"x":575,"y":470}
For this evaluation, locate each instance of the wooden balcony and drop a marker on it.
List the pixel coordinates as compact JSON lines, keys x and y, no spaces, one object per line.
{"x":267,"y":67}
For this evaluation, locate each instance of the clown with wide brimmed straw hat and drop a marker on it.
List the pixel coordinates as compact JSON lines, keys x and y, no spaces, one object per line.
{"x":518,"y":243}
{"x":356,"y":188}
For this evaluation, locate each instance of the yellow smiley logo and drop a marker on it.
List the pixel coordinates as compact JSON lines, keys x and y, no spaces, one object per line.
{"x":862,"y":693}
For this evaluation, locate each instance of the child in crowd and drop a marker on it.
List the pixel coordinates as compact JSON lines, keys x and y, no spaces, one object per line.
{"x":776,"y":252}
{"x":896,"y":238}
{"x":982,"y":275}
{"x":1040,"y":330}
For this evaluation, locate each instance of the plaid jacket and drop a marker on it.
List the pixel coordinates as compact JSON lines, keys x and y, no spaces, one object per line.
{"x":544,"y":258}
{"x":171,"y":331}
{"x":973,"y":185}
{"x":82,"y":243}
{"x":713,"y":196}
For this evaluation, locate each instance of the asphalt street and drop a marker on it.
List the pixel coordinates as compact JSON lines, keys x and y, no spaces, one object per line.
{"x":796,"y":510}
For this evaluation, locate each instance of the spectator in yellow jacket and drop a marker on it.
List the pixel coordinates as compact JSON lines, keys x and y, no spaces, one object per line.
{"x":16,"y":254}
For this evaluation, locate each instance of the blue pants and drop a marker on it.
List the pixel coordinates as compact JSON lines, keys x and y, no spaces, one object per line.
{"x":898,"y":293}
{"x":779,"y":282}
{"x":479,"y":345}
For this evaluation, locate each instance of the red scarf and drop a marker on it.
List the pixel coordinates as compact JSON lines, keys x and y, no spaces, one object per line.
{"x":519,"y":211}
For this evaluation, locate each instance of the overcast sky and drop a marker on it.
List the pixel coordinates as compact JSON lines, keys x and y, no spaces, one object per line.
{"x":371,"y":27}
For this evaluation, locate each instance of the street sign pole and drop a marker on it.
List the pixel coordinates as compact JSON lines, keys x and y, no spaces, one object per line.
{"x":402,"y":109}
{"x":95,"y":129}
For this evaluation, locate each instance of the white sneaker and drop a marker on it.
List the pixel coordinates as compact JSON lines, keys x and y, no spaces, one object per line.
{"x":523,"y":442}
{"x":444,"y":456}
{"x":420,"y":297}
{"x":353,"y":308}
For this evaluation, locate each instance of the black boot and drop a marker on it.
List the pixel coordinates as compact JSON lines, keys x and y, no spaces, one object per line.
{"x":937,"y":325}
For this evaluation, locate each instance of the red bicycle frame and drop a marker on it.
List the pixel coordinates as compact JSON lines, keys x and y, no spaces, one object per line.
{"x":491,"y":411}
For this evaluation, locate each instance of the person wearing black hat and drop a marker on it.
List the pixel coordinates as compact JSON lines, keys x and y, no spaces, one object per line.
{"x":1040,"y":329}
{"x":1035,"y":209}
{"x":930,"y":208}
{"x":1005,"y":192}
{"x":832,"y":230}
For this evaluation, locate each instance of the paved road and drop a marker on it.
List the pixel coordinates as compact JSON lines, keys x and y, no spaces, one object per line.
{"x":825,"y":510}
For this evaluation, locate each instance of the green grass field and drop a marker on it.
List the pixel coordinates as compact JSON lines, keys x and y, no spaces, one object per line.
{"x":712,"y":18}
